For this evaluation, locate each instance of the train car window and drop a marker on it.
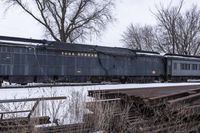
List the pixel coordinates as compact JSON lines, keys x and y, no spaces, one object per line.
{"x":79,"y":54}
{"x":175,"y":66}
{"x":194,"y":66}
{"x":188,"y":66}
{"x":73,"y":54}
{"x":182,"y":66}
{"x":95,"y":55}
{"x":199,"y":66}
{"x":185,"y":66}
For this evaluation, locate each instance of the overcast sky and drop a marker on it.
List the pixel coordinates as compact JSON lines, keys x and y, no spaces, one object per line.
{"x":17,"y":23}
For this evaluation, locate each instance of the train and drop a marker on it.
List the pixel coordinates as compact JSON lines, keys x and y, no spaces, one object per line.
{"x":24,"y":60}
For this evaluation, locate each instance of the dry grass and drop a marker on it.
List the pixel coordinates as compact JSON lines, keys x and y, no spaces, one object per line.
{"x":113,"y":116}
{"x":61,"y":112}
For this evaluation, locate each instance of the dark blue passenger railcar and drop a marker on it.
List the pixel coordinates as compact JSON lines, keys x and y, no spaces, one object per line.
{"x":46,"y":61}
{"x":99,"y":63}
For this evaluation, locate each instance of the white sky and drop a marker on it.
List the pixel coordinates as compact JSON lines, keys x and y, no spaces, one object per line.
{"x":17,"y":23}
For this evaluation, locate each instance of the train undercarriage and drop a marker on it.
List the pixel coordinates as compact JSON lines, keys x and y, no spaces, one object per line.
{"x":23,"y":80}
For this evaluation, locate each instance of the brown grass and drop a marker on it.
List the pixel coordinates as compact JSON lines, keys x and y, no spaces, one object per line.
{"x":110,"y":116}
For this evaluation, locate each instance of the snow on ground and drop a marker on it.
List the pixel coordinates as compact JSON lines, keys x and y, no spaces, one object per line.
{"x":73,"y":107}
{"x":65,"y":91}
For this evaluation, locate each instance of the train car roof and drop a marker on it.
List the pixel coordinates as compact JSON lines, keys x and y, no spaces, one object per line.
{"x":182,"y":56}
{"x":95,"y":48}
{"x":52,"y":45}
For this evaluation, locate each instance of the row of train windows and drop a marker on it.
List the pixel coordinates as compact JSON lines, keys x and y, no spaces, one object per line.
{"x":79,"y":54}
{"x":185,"y":66}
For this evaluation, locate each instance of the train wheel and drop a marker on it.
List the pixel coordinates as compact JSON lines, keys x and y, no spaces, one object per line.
{"x":23,"y":83}
{"x":123,"y":80}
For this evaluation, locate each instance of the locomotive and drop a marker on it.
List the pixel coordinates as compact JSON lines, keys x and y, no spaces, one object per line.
{"x":25,"y":60}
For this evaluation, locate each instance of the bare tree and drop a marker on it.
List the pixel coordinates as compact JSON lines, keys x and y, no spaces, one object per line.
{"x":188,"y":32}
{"x":167,"y":19}
{"x":68,"y":20}
{"x":178,"y":32}
{"x":139,"y":37}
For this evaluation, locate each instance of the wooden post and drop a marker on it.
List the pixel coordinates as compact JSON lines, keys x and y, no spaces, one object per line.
{"x":33,"y":109}
{"x":1,"y":116}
